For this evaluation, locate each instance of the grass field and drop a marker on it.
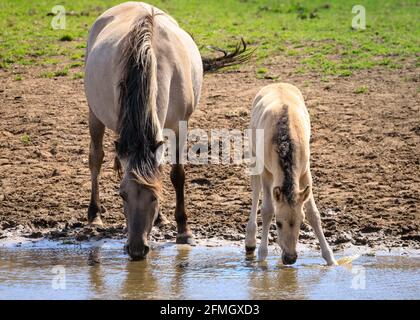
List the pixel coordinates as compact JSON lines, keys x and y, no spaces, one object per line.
{"x":318,"y":33}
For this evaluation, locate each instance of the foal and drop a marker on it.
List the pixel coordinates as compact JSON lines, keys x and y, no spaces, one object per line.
{"x":286,"y":180}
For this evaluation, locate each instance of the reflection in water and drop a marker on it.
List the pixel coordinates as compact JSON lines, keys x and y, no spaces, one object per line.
{"x":180,"y":269}
{"x":96,"y":278}
{"x":140,"y":281}
{"x":183,"y":272}
{"x":279,"y":283}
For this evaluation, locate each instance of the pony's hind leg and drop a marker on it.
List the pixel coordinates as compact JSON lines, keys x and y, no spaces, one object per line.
{"x":251,"y":228}
{"x":96,"y":155}
{"x":178,"y":181}
{"x":161,"y":220}
{"x":184,"y":235}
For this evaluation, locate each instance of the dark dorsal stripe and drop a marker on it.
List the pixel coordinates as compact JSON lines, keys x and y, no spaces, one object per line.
{"x":284,"y":149}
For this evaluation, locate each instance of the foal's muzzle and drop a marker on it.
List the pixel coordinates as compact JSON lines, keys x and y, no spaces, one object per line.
{"x":289,"y":258}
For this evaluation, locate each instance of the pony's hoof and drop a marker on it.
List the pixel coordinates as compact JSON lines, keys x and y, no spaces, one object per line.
{"x":161,"y":221}
{"x":96,"y":222}
{"x":185,"y":238}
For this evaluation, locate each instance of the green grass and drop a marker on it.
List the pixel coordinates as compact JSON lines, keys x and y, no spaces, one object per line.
{"x":317,"y":32}
{"x":55,"y":74}
{"x":66,"y":37}
{"x":77,"y":75}
{"x":76,"y":64}
{"x":25,"y":139}
{"x":261,"y":73}
{"x":361,"y":90}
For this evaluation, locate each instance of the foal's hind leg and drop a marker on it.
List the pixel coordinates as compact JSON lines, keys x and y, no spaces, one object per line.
{"x":96,"y":156}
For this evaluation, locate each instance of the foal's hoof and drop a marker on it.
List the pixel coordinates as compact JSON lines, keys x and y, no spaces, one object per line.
{"x":249,"y":250}
{"x":185,"y":238}
{"x":96,"y":222}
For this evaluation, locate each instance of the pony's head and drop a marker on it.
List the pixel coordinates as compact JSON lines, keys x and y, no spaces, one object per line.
{"x":141,"y":206}
{"x":289,"y":217}
{"x":140,"y":190}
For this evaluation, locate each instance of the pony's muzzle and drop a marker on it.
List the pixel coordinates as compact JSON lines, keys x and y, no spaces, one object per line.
{"x":137,"y":251}
{"x":289,"y":258}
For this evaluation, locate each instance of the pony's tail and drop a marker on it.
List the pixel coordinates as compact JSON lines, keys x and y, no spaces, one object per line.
{"x":139,"y":129}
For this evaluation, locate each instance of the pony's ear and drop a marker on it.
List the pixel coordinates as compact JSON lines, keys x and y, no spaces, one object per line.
{"x":157,"y":146}
{"x":158,"y":151}
{"x":278,"y":194}
{"x":304,"y":194}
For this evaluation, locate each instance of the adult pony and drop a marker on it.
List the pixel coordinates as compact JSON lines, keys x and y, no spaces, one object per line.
{"x":143,"y":73}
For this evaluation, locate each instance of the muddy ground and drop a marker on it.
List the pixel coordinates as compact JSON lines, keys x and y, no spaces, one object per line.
{"x":365,"y":158}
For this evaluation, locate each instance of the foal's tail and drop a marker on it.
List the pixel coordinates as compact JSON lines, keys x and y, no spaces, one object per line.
{"x":138,"y":123}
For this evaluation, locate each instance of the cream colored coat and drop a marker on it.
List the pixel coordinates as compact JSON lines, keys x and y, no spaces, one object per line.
{"x":179,"y":65}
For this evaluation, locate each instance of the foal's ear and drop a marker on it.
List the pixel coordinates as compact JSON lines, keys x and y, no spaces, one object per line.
{"x":304,"y":195}
{"x":278,"y":195}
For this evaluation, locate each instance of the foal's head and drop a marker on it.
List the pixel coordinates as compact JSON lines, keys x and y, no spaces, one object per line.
{"x":141,"y":205}
{"x":289,"y":217}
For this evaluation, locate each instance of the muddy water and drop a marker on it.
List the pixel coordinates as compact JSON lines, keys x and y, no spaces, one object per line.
{"x":103,"y":271}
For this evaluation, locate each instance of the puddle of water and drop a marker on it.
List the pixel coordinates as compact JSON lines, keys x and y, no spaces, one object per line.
{"x":183,"y":272}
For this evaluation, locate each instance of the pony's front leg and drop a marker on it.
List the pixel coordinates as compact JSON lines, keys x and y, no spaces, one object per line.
{"x":96,"y":156}
{"x":314,"y":219}
{"x":178,"y":181}
{"x":251,"y":228}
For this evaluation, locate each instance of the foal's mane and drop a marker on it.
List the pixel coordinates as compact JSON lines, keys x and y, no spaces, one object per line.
{"x":284,"y":149}
{"x":138,"y":124}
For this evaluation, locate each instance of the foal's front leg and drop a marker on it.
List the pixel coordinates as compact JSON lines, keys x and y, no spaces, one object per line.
{"x":96,"y":156}
{"x":251,"y":228}
{"x":267,"y":212}
{"x":178,"y":181}
{"x":314,"y":220}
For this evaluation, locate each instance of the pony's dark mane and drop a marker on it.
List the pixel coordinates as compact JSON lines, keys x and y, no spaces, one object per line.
{"x":137,"y":127}
{"x":284,"y":149}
